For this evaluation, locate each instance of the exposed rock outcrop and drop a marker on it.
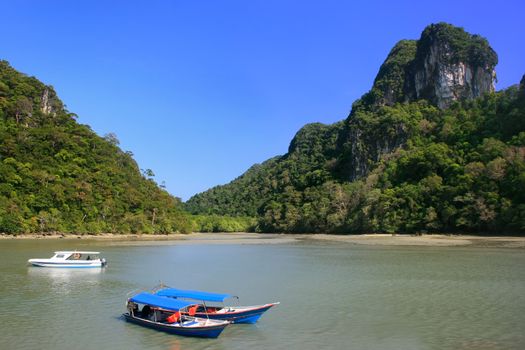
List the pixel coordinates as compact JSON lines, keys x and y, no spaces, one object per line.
{"x":450,"y":65}
{"x":49,"y":103}
{"x":45,"y":107}
{"x":364,"y":149}
{"x":445,"y":65}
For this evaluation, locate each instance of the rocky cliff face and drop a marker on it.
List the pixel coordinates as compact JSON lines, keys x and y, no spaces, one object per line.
{"x":45,"y":106}
{"x":445,"y":65}
{"x":450,"y":65}
{"x":364,"y":148}
{"x":49,"y":102}
{"x":443,"y":84}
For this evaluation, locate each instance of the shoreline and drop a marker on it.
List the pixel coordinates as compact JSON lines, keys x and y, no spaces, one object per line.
{"x":437,"y":240}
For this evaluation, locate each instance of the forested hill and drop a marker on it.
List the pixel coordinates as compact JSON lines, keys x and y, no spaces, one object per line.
{"x":58,"y":175}
{"x":430,"y":148}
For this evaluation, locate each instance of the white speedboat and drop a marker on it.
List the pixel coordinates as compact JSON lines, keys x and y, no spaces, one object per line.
{"x":71,"y":259}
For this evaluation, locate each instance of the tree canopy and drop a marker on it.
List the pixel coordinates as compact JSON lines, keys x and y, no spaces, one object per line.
{"x":58,"y":175}
{"x":456,"y":170}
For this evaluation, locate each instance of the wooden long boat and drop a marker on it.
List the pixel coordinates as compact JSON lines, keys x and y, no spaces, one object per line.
{"x":207,"y":305}
{"x":171,"y":315}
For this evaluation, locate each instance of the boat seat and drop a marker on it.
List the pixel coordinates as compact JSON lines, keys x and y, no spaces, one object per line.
{"x":146,"y":310}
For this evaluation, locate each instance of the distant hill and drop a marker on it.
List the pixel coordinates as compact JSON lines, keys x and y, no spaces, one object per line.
{"x":430,"y":148}
{"x":58,"y":175}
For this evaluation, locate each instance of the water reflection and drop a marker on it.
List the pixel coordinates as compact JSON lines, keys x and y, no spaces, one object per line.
{"x":64,"y":281}
{"x":63,"y":273}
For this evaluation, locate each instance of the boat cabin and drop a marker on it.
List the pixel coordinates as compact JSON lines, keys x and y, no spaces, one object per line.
{"x":76,"y":255}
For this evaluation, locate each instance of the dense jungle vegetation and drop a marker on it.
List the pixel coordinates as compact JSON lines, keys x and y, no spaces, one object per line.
{"x":57,"y":175}
{"x":462,"y":169}
{"x":398,"y":163}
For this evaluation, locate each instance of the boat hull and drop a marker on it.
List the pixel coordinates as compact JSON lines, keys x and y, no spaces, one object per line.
{"x":62,"y":264}
{"x":251,"y":315}
{"x":201,"y":332}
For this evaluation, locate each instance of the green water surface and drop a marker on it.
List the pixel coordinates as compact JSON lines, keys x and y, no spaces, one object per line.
{"x":333,"y":296}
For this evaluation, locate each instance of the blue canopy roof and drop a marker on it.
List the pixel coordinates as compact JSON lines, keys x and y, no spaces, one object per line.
{"x":193,"y":294}
{"x":161,"y":302}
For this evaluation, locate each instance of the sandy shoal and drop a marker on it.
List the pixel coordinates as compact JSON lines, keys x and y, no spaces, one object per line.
{"x":272,"y":238}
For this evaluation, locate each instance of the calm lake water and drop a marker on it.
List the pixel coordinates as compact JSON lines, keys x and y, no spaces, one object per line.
{"x":333,"y":295}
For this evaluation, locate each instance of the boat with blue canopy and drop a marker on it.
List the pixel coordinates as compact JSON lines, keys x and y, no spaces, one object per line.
{"x":211,"y":305}
{"x":171,"y":315}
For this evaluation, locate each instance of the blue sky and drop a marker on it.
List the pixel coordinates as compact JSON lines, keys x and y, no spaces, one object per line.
{"x":201,"y":90}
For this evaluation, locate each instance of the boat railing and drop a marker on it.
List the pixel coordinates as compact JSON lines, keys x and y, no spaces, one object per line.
{"x":158,"y":287}
{"x":136,"y":291}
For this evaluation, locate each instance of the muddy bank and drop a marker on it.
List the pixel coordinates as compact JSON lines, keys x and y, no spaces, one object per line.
{"x":424,"y":240}
{"x":267,"y":238}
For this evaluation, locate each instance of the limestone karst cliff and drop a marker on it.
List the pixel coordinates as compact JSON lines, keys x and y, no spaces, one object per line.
{"x":446,"y":64}
{"x":450,"y":65}
{"x":49,"y":101}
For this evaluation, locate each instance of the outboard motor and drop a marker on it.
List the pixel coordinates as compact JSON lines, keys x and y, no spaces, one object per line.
{"x":104,"y":262}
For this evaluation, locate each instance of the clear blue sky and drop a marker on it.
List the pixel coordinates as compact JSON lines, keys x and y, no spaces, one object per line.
{"x":201,"y":90}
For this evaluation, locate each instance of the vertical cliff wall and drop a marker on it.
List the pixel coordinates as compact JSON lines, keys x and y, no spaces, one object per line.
{"x":450,"y":65}
{"x":446,"y":64}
